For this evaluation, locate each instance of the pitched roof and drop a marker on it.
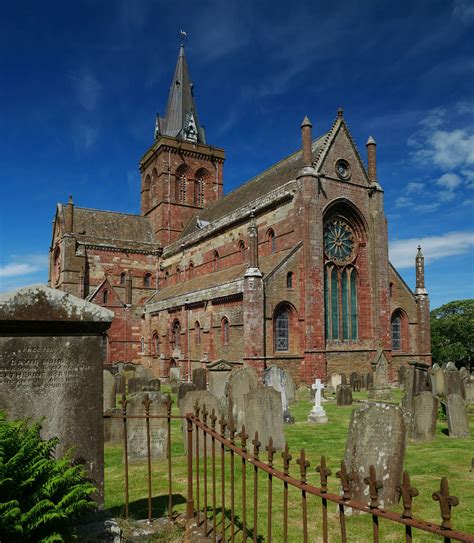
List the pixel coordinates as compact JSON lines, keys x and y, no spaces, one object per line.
{"x":221,"y":277}
{"x":272,"y":178}
{"x":114,"y":229}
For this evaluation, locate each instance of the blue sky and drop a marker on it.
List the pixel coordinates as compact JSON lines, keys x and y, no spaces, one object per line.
{"x":81,"y":82}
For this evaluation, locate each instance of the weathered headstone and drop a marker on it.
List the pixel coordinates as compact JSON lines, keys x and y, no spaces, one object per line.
{"x":174,"y":379}
{"x":335,"y":379}
{"x":218,"y":373}
{"x":145,"y":374}
{"x":380,"y":389}
{"x":186,"y":405}
{"x":240,"y":383}
{"x":51,"y":363}
{"x":317,"y":414}
{"x":109,"y":390}
{"x":185,"y":388}
{"x":425,"y":412}
{"x":437,"y":380}
{"x":263,"y":414}
{"x":113,"y":426}
{"x":376,"y":437}
{"x":421,"y":378}
{"x":458,"y":424}
{"x":155,"y":384}
{"x":402,"y":370}
{"x":469,"y":390}
{"x":343,"y":395}
{"x":136,"y":427}
{"x":453,"y":381}
{"x":281,"y":381}
{"x":134,"y":385}
{"x":200,"y":378}
{"x":464,"y":374}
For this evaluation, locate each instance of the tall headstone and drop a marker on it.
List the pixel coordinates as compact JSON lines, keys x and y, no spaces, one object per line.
{"x":263,"y":414}
{"x":218,"y":373}
{"x":136,"y":427}
{"x":424,"y":416}
{"x":469,"y":390}
{"x":458,"y":424}
{"x":453,"y":381}
{"x":200,"y":378}
{"x":174,"y":379}
{"x":437,"y":380}
{"x":51,"y":364}
{"x":240,"y":383}
{"x":380,"y":388}
{"x":281,"y":381}
{"x":109,"y":390}
{"x":376,"y":437}
{"x":134,"y":385}
{"x":421,"y":379}
{"x":344,"y":395}
{"x":113,"y":426}
{"x":186,"y":405}
{"x":317,"y":414}
{"x":185,"y":388}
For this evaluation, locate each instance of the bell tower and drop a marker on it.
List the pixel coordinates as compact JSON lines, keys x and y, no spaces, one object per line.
{"x":180,"y":173}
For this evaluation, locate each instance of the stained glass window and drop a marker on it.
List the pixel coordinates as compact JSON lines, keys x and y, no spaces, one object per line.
{"x":338,"y":241}
{"x":397,"y":333}
{"x":282,"y":331}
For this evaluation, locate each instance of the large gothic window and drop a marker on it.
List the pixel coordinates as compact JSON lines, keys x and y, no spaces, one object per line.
{"x":396,"y":333}
{"x":176,"y":335}
{"x":340,"y":280}
{"x":282,"y":330}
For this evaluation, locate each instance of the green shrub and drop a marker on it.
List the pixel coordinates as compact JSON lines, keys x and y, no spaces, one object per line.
{"x":41,"y":497}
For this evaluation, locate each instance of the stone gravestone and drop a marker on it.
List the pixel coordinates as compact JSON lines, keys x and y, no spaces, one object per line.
{"x":174,"y":379}
{"x":219,"y":372}
{"x":336,"y":379}
{"x":119,"y":383}
{"x":186,"y":405}
{"x":464,"y":374}
{"x":155,"y":384}
{"x":134,"y":385}
{"x":109,"y":390}
{"x":402,"y":370}
{"x":136,"y":428}
{"x":453,"y":381}
{"x":317,"y":414}
{"x":380,"y":389}
{"x":469,"y":390}
{"x":437,"y":380}
{"x":458,"y":424}
{"x":421,"y":379}
{"x":354,"y":380}
{"x":51,"y":364}
{"x":263,"y":414}
{"x":376,"y":437}
{"x":425,"y":413}
{"x":113,"y":426}
{"x":184,"y":388}
{"x":343,"y":395}
{"x":200,"y":378}
{"x":343,"y":379}
{"x":240,"y":383}
{"x":280,"y":380}
{"x":145,"y":374}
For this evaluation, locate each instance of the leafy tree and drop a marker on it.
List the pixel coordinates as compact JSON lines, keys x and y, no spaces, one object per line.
{"x":40,"y":496}
{"x":452,"y":333}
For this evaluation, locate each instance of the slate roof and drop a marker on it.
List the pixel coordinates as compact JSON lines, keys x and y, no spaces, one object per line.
{"x":266,"y":265}
{"x":272,"y":178}
{"x":114,"y":229}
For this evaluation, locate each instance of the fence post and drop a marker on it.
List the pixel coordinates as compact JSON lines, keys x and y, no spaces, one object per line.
{"x":190,"y":499}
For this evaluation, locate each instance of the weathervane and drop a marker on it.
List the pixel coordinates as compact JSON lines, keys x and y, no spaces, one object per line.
{"x":182,"y":36}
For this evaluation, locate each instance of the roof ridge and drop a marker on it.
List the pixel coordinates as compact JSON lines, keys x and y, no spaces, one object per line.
{"x":111,"y":212}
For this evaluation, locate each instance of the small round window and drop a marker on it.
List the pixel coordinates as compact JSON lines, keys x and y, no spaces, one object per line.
{"x":342,"y":169}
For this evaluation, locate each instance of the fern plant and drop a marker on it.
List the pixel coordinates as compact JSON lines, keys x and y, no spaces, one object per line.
{"x":41,"y":497}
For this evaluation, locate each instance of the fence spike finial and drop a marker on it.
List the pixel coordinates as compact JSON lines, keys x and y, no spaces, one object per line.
{"x":303,"y":464}
{"x":213,"y":419}
{"x":205,"y":413}
{"x":271,"y":451}
{"x":243,"y":438}
{"x":197,"y":409}
{"x":406,"y":493}
{"x":374,"y":487}
{"x":446,"y":502}
{"x":232,"y":430}
{"x":168,"y":403}
{"x":256,"y":445}
{"x":286,"y":459}
{"x":346,"y":480}
{"x":222,"y":424}
{"x":324,"y":473}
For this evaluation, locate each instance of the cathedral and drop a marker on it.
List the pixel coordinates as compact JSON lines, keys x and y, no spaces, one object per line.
{"x":290,"y":269}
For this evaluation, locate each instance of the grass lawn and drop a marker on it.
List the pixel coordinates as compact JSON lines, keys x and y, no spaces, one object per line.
{"x":426,"y":462}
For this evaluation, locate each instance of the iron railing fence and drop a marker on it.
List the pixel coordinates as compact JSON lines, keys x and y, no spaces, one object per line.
{"x":226,"y":500}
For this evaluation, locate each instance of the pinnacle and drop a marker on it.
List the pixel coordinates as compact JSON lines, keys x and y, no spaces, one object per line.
{"x":306,"y":122}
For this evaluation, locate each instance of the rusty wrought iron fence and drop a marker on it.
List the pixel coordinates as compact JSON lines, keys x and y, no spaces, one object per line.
{"x":226,"y":500}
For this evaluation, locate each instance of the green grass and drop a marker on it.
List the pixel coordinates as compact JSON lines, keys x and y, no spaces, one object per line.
{"x":426,"y":462}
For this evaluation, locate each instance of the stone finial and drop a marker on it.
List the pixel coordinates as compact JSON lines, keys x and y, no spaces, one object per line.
{"x":420,"y":272}
{"x":371,"y":159}
{"x":306,"y":127}
{"x":69,"y":215}
{"x":340,"y":112}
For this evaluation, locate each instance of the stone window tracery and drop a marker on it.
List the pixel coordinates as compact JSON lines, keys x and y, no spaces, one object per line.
{"x":282,"y":329}
{"x":147,"y":280}
{"x":225,"y":331}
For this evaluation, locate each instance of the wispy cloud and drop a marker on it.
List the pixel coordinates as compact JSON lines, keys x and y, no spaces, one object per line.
{"x":463,"y":10}
{"x":84,"y":136}
{"x":403,"y":251}
{"x":415,"y":187}
{"x":87,"y":89}
{"x":22,"y":269}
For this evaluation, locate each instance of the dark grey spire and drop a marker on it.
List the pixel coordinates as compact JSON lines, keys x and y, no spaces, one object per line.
{"x":181,"y":120}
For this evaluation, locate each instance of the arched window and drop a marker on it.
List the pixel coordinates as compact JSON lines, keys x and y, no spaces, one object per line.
{"x":271,"y":240}
{"x":215,"y":261}
{"x":176,"y":335}
{"x":57,"y":264}
{"x":197,"y":333}
{"x":147,"y":280}
{"x":106,"y":297}
{"x":399,"y":330}
{"x":282,"y":329}
{"x":242,"y":250}
{"x":225,"y":331}
{"x":142,"y":344}
{"x":190,"y":270}
{"x":289,"y":280}
{"x":122,"y":278}
{"x":146,"y":193}
{"x":182,"y":175}
{"x":340,"y":280}
{"x":178,"y":274}
{"x":199,"y":182}
{"x":153,"y":187}
{"x":155,"y":343}
{"x":390,"y":290}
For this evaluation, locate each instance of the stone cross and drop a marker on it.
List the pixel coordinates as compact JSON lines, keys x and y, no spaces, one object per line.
{"x":317,"y":414}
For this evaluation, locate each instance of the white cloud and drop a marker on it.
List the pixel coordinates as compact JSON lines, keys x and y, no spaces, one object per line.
{"x":87,"y":89}
{"x":21,"y":270}
{"x":14,"y":270}
{"x":402,"y":252}
{"x":403,"y":201}
{"x":415,"y":186}
{"x":464,"y":11}
{"x":449,"y":181}
{"x":451,"y":149}
{"x":84,"y":136}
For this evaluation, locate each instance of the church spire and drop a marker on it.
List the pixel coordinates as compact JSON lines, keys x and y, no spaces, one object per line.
{"x":181,"y":120}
